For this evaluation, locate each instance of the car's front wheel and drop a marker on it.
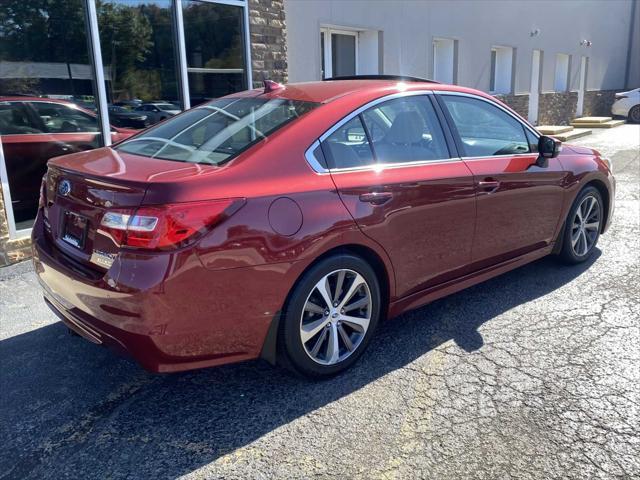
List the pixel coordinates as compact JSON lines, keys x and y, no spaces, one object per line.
{"x":331,"y":316}
{"x":583,"y":226}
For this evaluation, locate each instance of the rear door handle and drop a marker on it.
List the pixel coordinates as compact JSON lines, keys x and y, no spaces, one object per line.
{"x":488,"y":185}
{"x":376,"y":198}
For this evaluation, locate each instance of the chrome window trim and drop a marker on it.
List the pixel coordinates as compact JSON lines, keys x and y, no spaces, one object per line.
{"x":490,"y":102}
{"x":318,"y":168}
{"x":366,"y":106}
{"x":312,"y":160}
{"x":386,"y":166}
{"x":511,"y":155}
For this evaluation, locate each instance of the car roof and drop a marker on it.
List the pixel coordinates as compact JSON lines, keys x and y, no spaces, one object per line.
{"x":328,"y":91}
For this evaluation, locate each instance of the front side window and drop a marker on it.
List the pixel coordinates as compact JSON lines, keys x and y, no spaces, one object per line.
{"x":218,"y":131}
{"x":59,"y":118}
{"x":485,"y":129}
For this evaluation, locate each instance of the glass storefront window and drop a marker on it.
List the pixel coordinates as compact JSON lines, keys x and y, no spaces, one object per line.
{"x":47,"y":101}
{"x":215,"y":49}
{"x":48,"y":105}
{"x":136,"y":39}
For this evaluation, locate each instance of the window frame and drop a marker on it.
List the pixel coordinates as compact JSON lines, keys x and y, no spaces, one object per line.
{"x":494,"y":64}
{"x":320,"y":169}
{"x":328,"y":53}
{"x":454,"y":130}
{"x":97,"y":68}
{"x":564,"y":77}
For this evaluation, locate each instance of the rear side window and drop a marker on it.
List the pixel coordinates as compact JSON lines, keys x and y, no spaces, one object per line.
{"x":406,"y":130}
{"x":396,"y":131}
{"x":216,"y":132}
{"x":485,"y":130}
{"x":348,"y":146}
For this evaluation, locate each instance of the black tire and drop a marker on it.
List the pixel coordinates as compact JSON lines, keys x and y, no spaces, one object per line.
{"x":634,"y":114}
{"x":292,"y":352}
{"x":569,"y":253}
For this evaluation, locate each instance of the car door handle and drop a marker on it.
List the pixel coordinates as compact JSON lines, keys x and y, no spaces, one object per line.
{"x":376,"y":198}
{"x":488,"y":185}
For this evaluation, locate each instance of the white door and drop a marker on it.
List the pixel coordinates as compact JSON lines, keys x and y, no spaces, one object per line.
{"x":534,"y":91}
{"x":582,"y":86}
{"x":339,"y":51}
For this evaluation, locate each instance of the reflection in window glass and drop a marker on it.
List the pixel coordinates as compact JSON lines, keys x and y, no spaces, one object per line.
{"x":136,"y":37}
{"x":214,"y":41}
{"x":43,"y":53}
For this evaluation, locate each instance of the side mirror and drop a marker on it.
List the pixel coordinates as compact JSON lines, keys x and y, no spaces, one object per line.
{"x":549,"y":147}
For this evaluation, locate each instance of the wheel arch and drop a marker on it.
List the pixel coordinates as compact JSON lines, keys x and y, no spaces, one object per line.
{"x":385,"y":277}
{"x":604,"y":193}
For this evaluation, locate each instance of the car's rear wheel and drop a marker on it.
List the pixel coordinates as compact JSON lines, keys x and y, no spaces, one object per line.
{"x":634,"y":114}
{"x":583,"y":226}
{"x":331,"y":316}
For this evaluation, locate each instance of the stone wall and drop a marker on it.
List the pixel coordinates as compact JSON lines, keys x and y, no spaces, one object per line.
{"x":598,"y":103}
{"x":520,"y":103}
{"x":557,"y":108}
{"x":267,"y":29}
{"x":11,"y":251}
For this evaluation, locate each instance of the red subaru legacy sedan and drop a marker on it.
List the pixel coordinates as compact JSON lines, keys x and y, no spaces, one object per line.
{"x":286,"y":223}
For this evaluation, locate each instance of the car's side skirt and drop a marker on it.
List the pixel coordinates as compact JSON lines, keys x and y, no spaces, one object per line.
{"x":428,"y":295}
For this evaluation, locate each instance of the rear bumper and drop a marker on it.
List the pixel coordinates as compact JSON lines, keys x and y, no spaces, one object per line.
{"x":167,"y":311}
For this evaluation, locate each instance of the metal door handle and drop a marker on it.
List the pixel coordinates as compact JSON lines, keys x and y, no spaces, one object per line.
{"x":488,"y":186}
{"x":376,"y":198}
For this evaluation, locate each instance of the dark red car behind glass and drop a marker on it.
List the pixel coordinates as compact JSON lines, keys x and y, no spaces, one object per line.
{"x":35,"y":130}
{"x":286,"y":222}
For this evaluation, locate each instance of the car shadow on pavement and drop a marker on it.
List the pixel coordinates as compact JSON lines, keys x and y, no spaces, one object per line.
{"x":69,"y":407}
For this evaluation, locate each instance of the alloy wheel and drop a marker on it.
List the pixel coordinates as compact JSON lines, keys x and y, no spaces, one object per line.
{"x":336,"y":316}
{"x":585,"y":226}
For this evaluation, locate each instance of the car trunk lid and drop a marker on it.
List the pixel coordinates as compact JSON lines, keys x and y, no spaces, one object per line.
{"x":81,"y":187}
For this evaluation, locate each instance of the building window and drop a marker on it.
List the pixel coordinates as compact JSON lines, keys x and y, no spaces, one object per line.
{"x":501,"y":70}
{"x":445,"y":60}
{"x":215,"y":49}
{"x":43,"y":55}
{"x":561,"y":82}
{"x":154,"y":60}
{"x":346,"y":52}
{"x":339,"y":53}
{"x":139,"y":61}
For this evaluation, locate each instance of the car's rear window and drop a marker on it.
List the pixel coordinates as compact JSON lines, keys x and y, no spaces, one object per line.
{"x":216,"y":132}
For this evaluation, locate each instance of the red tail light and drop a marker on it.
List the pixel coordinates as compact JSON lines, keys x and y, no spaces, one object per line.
{"x":164,"y":227}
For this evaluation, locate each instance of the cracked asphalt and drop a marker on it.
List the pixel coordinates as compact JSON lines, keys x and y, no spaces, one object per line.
{"x":535,"y":374}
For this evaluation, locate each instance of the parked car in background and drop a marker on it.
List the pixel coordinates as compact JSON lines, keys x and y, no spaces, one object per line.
{"x":121,"y":117}
{"x":287,"y":222}
{"x":158,"y":111}
{"x":36,"y":129}
{"x":129,"y":104}
{"x":627,"y":105}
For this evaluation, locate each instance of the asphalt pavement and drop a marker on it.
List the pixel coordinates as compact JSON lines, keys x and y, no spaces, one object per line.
{"x":534,"y":374}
